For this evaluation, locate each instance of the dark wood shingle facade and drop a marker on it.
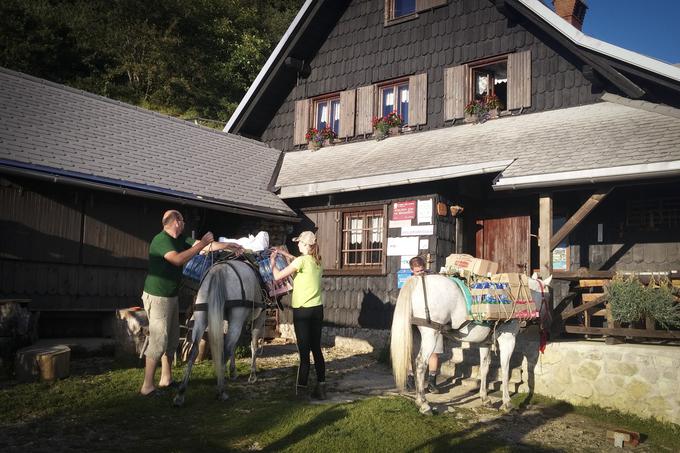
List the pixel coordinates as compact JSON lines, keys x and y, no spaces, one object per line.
{"x":582,"y":124}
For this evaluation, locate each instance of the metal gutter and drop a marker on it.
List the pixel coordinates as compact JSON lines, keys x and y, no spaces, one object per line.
{"x":392,"y":179}
{"x":137,"y":190}
{"x":267,"y":66}
{"x":592,"y":176}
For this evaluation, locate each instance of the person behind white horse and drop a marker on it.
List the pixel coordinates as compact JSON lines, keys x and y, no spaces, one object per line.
{"x":417,"y":265}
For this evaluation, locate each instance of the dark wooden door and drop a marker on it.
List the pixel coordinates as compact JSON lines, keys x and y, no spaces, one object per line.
{"x":505,"y":241}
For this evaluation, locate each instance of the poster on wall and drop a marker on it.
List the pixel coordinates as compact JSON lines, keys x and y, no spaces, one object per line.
{"x":417,"y":230}
{"x":403,"y":262}
{"x":559,"y":259}
{"x":402,"y":246}
{"x":424,"y":244}
{"x":399,"y":223}
{"x":402,"y":276}
{"x":404,"y":210}
{"x":425,"y":211}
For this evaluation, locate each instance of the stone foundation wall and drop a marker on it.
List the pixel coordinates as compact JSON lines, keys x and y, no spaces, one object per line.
{"x":639,"y":379}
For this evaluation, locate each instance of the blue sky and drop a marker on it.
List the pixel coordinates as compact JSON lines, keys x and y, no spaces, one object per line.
{"x":649,"y":27}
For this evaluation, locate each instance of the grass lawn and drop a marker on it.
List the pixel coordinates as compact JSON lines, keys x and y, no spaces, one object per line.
{"x":103,"y":412}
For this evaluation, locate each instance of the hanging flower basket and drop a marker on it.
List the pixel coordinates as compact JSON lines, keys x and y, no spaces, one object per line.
{"x":483,"y":109}
{"x":317,"y":138}
{"x":383,"y":126}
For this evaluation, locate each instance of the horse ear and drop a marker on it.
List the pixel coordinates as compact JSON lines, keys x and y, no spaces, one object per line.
{"x":548,"y":280}
{"x":534,"y":276}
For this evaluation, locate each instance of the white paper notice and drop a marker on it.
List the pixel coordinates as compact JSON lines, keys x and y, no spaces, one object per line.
{"x":424,"y":211}
{"x":403,"y":264}
{"x":402,"y":246}
{"x":424,"y":244}
{"x":418,"y":230}
{"x":399,"y":223}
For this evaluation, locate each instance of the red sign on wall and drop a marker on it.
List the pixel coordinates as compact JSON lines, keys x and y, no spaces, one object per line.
{"x":404,"y":210}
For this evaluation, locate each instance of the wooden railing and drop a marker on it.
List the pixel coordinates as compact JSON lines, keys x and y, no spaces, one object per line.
{"x":593,"y":314}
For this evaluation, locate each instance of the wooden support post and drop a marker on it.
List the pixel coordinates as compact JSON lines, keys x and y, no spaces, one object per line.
{"x":590,"y":204}
{"x":545,"y":234}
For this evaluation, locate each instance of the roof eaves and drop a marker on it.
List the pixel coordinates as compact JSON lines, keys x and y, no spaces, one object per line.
{"x":143,"y":190}
{"x":590,"y":176}
{"x":588,"y":42}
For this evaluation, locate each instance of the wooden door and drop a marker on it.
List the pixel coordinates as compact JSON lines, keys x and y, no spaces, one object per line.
{"x":505,"y":241}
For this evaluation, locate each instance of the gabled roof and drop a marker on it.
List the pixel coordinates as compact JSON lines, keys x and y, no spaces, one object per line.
{"x":316,"y":16}
{"x":51,"y":129}
{"x":619,"y":139}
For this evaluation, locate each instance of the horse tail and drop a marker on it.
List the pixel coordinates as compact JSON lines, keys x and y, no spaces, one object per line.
{"x":401,"y":342}
{"x":217,"y":295}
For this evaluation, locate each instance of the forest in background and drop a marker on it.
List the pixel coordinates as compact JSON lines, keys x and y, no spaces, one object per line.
{"x":185,"y":58}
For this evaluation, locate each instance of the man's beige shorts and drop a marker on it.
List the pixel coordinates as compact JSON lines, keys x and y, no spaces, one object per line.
{"x":163,"y":314}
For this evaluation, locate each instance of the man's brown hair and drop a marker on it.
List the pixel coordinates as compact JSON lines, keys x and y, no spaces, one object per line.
{"x":416,"y":261}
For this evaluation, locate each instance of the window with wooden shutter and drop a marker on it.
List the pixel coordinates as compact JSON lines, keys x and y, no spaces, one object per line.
{"x":519,"y":80}
{"x":347,"y":113}
{"x":301,"y":124}
{"x":365,"y":109}
{"x":418,"y":100}
{"x":327,"y":236}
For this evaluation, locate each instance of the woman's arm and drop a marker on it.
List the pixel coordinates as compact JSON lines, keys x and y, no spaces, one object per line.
{"x":280,"y":274}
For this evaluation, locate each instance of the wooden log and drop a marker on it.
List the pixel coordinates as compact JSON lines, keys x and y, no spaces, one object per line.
{"x":589,"y":297}
{"x":584,"y":307}
{"x":46,"y":363}
{"x":593,"y":282}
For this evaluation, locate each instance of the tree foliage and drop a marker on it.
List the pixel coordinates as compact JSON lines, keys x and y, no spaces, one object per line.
{"x":188,"y":58}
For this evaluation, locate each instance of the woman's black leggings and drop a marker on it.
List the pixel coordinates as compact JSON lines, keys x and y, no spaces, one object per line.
{"x":307,"y":323}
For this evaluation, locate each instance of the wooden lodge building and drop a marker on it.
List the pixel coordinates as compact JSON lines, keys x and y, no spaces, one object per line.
{"x":581,"y":171}
{"x":84,"y":181}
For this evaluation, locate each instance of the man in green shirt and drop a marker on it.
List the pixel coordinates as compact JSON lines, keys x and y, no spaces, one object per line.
{"x":168,"y":252}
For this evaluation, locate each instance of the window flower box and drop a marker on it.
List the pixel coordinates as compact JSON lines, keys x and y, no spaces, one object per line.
{"x":386,"y":125}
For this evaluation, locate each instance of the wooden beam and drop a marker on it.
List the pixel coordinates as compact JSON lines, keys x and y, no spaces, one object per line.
{"x":584,"y":307}
{"x":590,"y":204}
{"x":623,"y":332}
{"x":545,"y":207}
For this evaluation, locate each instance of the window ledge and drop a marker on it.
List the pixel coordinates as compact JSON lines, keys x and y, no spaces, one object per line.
{"x":400,"y":20}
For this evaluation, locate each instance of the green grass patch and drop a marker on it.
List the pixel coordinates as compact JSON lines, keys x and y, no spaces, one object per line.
{"x":103,"y":412}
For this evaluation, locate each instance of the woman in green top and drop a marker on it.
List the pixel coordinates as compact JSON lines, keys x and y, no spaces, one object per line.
{"x":307,"y":303}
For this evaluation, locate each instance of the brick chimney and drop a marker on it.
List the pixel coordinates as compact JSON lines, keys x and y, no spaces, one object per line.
{"x":573,"y":11}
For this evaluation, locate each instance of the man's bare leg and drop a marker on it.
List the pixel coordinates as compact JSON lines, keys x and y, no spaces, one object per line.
{"x":149,"y":372}
{"x":166,"y":371}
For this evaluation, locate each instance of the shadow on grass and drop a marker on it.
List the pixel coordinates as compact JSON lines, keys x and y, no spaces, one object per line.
{"x":504,"y":431}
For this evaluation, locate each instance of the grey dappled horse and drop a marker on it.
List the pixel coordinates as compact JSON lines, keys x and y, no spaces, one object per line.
{"x":447,"y":306}
{"x":229,"y":291}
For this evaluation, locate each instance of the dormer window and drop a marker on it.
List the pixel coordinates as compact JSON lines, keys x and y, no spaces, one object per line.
{"x":327,"y":113}
{"x":394,"y":98}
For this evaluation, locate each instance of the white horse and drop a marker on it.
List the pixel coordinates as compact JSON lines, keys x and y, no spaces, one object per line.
{"x":229,"y":291}
{"x":447,"y":308}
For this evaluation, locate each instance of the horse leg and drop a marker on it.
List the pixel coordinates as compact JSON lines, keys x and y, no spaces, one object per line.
{"x":427,"y":344}
{"x":484,"y":362}
{"x":506,"y":342}
{"x":258,"y":329}
{"x":200,"y":322}
{"x":230,"y":340}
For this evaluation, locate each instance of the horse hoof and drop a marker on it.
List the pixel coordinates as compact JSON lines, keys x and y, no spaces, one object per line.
{"x":425,"y":409}
{"x":486,"y":402}
{"x":252,"y":379}
{"x":507,"y":407}
{"x":178,"y":401}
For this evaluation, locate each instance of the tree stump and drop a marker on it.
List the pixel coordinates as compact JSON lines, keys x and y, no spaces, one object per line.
{"x":46,"y":363}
